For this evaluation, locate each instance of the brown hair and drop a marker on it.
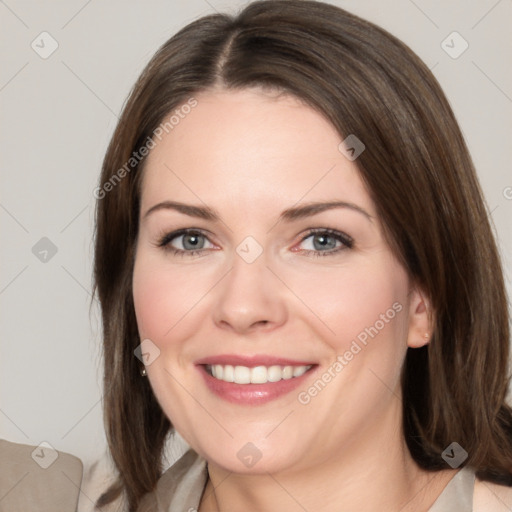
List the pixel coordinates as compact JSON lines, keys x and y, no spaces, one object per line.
{"x":419,"y":173}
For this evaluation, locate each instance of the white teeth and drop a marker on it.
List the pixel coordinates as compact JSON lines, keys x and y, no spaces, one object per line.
{"x":218,"y":371}
{"x":299,"y":370}
{"x":229,"y":373}
{"x":287,"y":372}
{"x":242,"y":375}
{"x":257,"y":374}
{"x":274,"y":373}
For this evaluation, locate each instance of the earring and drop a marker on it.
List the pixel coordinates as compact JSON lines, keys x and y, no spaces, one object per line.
{"x":143,"y":372}
{"x":427,"y":335}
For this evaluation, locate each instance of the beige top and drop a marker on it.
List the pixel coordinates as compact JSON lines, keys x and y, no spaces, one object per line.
{"x":180,"y":489}
{"x":38,"y":478}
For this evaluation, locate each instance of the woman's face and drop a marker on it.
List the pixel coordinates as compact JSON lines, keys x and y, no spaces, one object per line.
{"x":274,"y":265}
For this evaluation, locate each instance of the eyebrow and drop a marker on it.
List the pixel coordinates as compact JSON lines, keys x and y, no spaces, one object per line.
{"x":288,"y":215}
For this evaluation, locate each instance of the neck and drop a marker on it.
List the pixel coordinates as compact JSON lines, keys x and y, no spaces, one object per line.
{"x":373,"y":472}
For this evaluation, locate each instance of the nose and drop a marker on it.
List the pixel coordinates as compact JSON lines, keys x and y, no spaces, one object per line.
{"x":250,"y":298}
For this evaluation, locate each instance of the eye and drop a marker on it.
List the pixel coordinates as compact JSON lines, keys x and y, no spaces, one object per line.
{"x":185,"y":242}
{"x":325,"y":242}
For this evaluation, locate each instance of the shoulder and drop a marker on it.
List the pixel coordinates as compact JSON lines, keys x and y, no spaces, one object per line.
{"x":38,"y":477}
{"x":491,"y":497}
{"x":101,"y":473}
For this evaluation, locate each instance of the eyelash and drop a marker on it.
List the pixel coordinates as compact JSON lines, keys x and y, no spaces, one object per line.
{"x":166,"y":239}
{"x":347,"y":241}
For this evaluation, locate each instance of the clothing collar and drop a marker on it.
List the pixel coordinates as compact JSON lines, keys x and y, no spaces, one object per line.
{"x":457,"y":496}
{"x":181,"y":487}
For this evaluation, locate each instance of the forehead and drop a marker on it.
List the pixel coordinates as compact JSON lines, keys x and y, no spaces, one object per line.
{"x":253,"y":149}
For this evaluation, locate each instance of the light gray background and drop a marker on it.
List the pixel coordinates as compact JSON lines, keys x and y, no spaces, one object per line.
{"x":57,"y":117}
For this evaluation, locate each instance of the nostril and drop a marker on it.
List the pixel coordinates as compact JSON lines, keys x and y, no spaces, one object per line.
{"x":261,"y":322}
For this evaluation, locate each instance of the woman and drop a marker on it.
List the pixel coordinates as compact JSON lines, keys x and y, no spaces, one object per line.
{"x":373,"y":377}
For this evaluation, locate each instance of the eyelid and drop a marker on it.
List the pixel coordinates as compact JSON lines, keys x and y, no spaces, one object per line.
{"x":347,"y":242}
{"x":165,"y":239}
{"x":334,"y":232}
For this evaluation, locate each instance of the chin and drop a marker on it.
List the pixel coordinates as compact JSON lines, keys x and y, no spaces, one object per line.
{"x":243,"y":456}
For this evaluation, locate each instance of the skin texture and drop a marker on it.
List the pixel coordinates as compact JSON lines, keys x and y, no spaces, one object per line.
{"x":250,"y":155}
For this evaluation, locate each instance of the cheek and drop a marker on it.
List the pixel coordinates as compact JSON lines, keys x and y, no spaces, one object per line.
{"x":155,"y":299}
{"x":363,"y":313}
{"x":151,"y":299}
{"x":356,"y":303}
{"x":164,"y":295}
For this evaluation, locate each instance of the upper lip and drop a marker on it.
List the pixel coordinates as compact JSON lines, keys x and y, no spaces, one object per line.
{"x":251,"y":361}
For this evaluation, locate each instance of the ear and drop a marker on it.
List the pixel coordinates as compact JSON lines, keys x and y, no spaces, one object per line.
{"x":420,"y":319}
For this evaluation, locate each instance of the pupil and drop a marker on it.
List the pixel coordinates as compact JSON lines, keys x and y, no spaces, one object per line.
{"x":323,"y":242}
{"x":192,"y":242}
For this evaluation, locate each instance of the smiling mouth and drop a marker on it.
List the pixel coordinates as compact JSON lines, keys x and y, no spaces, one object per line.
{"x":255,"y":374}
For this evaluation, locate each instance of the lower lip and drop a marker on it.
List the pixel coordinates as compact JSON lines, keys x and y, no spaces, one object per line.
{"x":252,"y":394}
